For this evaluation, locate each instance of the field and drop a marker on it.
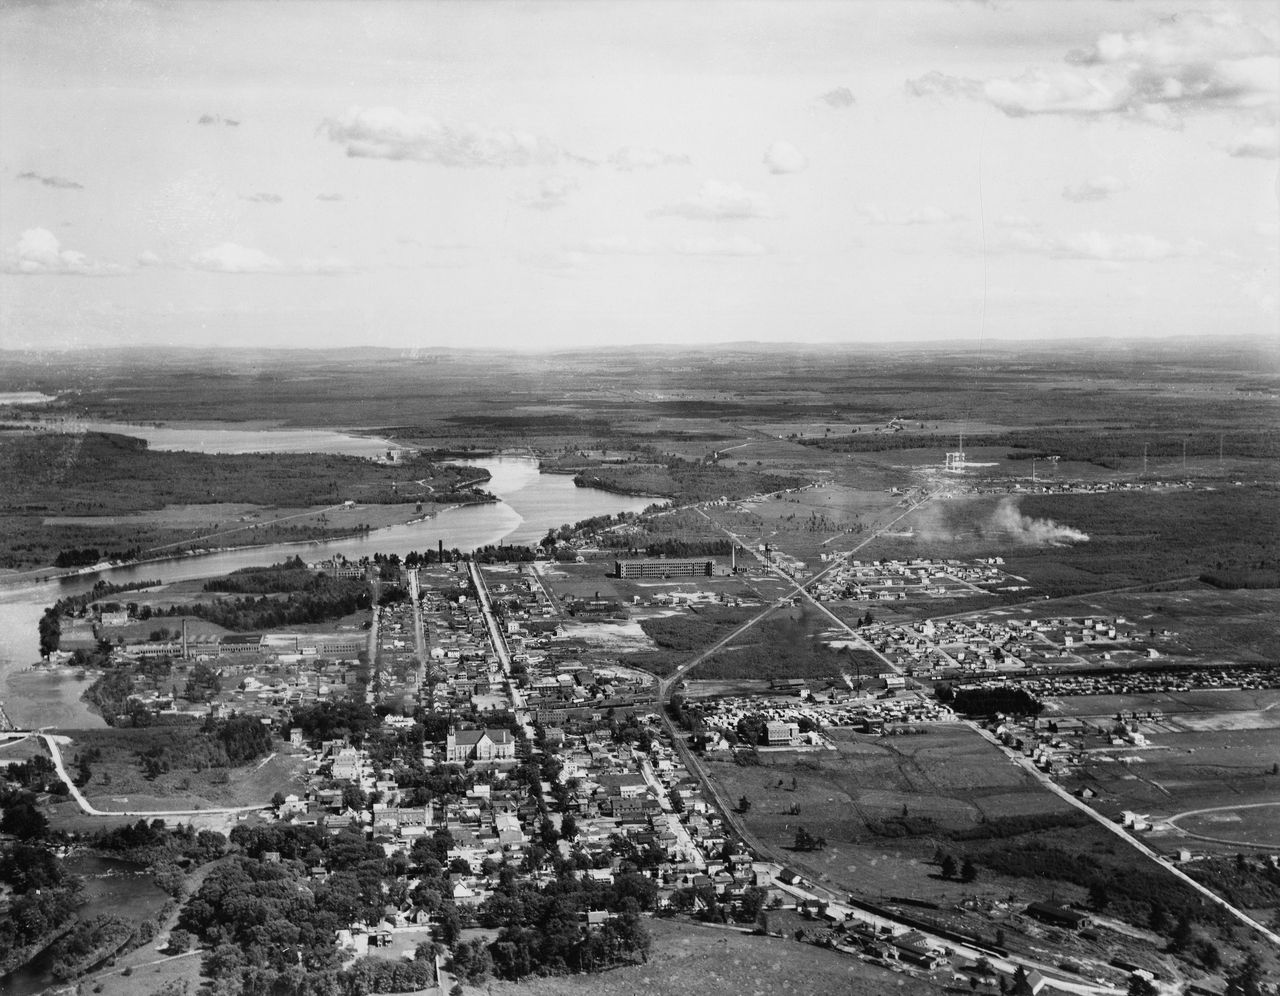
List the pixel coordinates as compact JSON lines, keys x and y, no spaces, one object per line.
{"x":117,"y":781}
{"x":689,"y":958}
{"x":1133,"y":537}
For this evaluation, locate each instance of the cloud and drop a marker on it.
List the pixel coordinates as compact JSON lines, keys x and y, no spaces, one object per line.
{"x":148,"y":258}
{"x":57,"y":182}
{"x":1096,"y":188}
{"x":1260,"y":142}
{"x":735,"y":246}
{"x":550,"y":192}
{"x":783,"y":158}
{"x":261,"y":198}
{"x":711,"y":246}
{"x":718,"y":201}
{"x":936,"y":84}
{"x":1099,"y":246}
{"x":628,"y":159}
{"x":232,"y":258}
{"x":38,"y":252}
{"x":330,"y":197}
{"x":927,"y":214}
{"x":839,"y":98}
{"x":1185,"y":63}
{"x":214,"y":119}
{"x":388,"y":133}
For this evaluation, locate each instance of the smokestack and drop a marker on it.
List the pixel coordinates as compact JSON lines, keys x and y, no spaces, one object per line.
{"x":441,"y":558}
{"x":184,"y":638}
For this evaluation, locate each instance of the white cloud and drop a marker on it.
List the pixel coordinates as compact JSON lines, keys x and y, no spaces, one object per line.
{"x":1184,"y":63}
{"x":57,"y":182}
{"x":148,"y":258}
{"x":926,"y":214}
{"x":710,"y":246}
{"x":936,"y":84}
{"x":1099,"y":246}
{"x":783,"y":157}
{"x":388,"y":133}
{"x":550,"y":192}
{"x":718,"y":201}
{"x":1260,"y":142}
{"x":38,"y":252}
{"x":735,"y":246}
{"x":839,"y":98}
{"x":265,"y":198}
{"x":330,"y":197}
{"x":232,"y":258}
{"x":1096,"y":188}
{"x":629,"y":159}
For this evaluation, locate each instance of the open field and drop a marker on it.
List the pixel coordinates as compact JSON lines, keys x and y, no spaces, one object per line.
{"x":690,"y":958}
{"x":117,"y":781}
{"x":1187,"y":771}
{"x":1134,"y":537}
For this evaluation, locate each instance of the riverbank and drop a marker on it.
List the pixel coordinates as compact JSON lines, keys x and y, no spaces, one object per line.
{"x":43,"y":575}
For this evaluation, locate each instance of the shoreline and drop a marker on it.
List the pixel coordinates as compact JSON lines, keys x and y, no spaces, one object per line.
{"x":34,"y":577}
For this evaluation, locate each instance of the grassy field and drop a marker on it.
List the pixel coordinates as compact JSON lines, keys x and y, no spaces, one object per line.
{"x":1133,"y":537}
{"x":117,"y":781}
{"x":688,"y":958}
{"x":1185,"y":771}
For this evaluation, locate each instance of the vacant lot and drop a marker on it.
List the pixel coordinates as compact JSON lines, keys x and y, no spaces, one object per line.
{"x":117,"y":781}
{"x":687,"y":958}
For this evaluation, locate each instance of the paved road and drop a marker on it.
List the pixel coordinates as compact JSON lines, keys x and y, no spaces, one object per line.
{"x":1129,"y":839}
{"x":91,"y":810}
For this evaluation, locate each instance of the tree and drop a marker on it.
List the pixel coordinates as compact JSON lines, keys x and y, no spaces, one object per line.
{"x":804,"y":842}
{"x":1098,"y":896}
{"x":181,"y":941}
{"x":967,"y":871}
{"x":948,"y":867}
{"x":1246,"y":978}
{"x":744,"y":804}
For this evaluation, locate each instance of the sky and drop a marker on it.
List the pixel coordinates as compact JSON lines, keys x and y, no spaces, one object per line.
{"x":548,"y":175}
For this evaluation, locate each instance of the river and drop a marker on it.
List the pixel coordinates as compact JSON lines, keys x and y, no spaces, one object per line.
{"x":530,"y":503}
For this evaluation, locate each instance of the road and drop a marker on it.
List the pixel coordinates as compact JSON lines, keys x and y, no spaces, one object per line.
{"x":1129,"y":838}
{"x":500,"y":648}
{"x":90,"y":810}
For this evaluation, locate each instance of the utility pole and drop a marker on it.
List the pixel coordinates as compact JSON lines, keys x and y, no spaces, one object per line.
{"x":1221,"y":436}
{"x":1144,"y":459}
{"x":1184,"y":456}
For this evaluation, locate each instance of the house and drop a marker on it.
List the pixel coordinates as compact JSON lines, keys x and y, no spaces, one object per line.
{"x":480,"y":745}
{"x":1058,"y":916}
{"x":1030,"y":985}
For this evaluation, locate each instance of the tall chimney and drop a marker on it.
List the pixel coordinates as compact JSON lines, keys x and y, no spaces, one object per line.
{"x":441,"y":558}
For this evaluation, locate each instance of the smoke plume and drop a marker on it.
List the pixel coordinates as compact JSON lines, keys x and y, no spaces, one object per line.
{"x":1008,"y":520}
